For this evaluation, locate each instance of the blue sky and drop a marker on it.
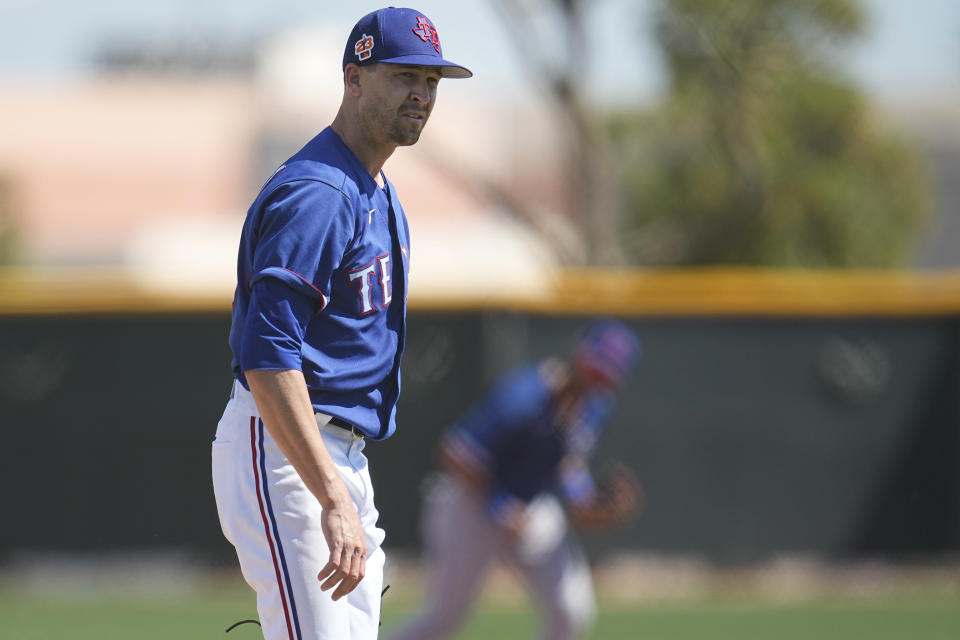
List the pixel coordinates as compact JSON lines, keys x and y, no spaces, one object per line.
{"x":911,"y":44}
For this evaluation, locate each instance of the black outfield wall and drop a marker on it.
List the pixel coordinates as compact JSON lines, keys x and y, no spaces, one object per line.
{"x":753,"y":436}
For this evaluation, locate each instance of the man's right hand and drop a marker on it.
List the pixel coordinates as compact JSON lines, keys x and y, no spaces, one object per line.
{"x":348,"y":549}
{"x":284,"y":404}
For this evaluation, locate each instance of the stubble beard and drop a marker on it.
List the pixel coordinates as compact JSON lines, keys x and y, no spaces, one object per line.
{"x":403,"y":132}
{"x":389,"y":125}
{"x":388,"y":128}
{"x":404,"y":137}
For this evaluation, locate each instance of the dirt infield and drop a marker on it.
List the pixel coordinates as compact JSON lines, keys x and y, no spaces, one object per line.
{"x":631,"y":578}
{"x":620,"y":580}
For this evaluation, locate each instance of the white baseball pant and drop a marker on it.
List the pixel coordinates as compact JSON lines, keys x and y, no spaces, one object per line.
{"x":273,"y":521}
{"x":460,"y":544}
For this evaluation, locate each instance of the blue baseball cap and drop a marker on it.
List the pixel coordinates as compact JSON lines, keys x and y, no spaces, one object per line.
{"x":609,"y":350}
{"x":399,"y":36}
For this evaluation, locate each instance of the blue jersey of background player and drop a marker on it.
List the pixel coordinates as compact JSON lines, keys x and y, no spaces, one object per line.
{"x":322,"y":227}
{"x":535,"y":429}
{"x":518,"y":438}
{"x":516,"y":472}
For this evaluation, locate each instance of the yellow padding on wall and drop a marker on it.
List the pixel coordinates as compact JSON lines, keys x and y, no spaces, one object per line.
{"x":639,"y":292}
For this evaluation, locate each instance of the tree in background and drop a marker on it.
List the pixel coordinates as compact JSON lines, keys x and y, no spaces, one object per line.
{"x":762,"y":153}
{"x":585,"y":230}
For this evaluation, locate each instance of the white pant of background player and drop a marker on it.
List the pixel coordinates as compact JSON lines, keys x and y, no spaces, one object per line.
{"x":273,"y":521}
{"x":461,"y":542}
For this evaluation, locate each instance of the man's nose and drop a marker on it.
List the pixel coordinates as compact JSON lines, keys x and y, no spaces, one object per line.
{"x":422,"y":92}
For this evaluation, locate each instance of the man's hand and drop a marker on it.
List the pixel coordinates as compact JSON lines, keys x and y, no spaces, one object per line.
{"x":618,"y":498}
{"x":508,"y":512}
{"x":514,"y":524}
{"x":284,"y":404}
{"x":620,"y":489}
{"x":348,"y":549}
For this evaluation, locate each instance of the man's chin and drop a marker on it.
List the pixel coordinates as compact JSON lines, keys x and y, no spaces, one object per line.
{"x":406,"y":138}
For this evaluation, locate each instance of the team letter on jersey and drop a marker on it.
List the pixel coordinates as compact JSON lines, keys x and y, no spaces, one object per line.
{"x":365,"y":276}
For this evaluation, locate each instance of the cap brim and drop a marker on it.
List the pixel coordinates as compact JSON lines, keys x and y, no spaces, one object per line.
{"x":447,"y":69}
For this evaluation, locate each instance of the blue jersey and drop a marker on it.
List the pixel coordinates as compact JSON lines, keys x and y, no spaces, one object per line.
{"x":516,"y":436}
{"x":338,"y":243}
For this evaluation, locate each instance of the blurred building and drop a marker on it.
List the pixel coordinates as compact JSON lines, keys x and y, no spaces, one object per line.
{"x":151,"y":164}
{"x":92,"y":163}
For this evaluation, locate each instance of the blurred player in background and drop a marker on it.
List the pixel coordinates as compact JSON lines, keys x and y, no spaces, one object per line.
{"x":515,"y":475}
{"x":317,"y":337}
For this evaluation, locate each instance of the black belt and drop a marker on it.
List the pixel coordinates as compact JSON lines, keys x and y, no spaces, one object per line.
{"x":343,"y":424}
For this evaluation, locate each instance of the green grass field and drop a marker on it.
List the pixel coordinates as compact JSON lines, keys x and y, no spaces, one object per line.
{"x":205,"y":614}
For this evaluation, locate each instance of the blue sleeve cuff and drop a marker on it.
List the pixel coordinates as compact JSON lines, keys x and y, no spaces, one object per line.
{"x":504,"y":507}
{"x":301,"y":284}
{"x":577,"y":484}
{"x":276,"y":322}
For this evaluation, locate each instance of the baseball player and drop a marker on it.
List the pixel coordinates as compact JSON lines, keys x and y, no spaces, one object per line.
{"x":515,"y":472}
{"x":317,"y":337}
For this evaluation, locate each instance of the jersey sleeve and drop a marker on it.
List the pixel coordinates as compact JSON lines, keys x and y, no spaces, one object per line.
{"x":576,"y":483}
{"x":275,"y":325}
{"x":476,"y":438}
{"x":305,"y":228}
{"x":596,"y":414}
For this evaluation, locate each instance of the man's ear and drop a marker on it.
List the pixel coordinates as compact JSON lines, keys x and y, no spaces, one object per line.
{"x":351,"y":79}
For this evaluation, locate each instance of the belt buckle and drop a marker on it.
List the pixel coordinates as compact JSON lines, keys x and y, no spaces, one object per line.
{"x":346,"y":426}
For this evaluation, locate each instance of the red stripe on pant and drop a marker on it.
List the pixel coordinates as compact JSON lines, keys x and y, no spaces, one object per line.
{"x":266,"y":525}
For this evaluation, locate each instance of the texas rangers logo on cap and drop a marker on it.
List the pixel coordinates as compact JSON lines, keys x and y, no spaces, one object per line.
{"x":364,"y":47}
{"x":394,"y":35}
{"x":427,"y":32}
